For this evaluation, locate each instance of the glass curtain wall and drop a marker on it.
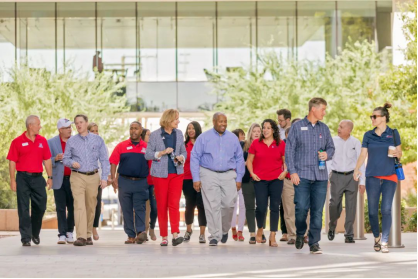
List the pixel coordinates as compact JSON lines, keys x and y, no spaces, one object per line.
{"x":7,"y":39}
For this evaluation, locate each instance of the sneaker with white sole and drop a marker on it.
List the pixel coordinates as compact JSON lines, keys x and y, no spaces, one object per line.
{"x":69,"y":238}
{"x":61,"y":239}
{"x":202,"y":238}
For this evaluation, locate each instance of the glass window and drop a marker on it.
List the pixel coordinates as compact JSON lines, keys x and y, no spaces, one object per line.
{"x":357,"y":21}
{"x":36,"y":35}
{"x":7,"y":39}
{"x":276,"y":27}
{"x":153,"y":96}
{"x":157,"y":41}
{"x":195,"y":96}
{"x":236,"y":34}
{"x":384,"y":24}
{"x":316,"y":29}
{"x":196,"y":39}
{"x":76,"y":38}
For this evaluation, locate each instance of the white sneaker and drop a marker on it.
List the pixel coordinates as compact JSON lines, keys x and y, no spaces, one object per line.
{"x":61,"y":239}
{"x":69,"y":237}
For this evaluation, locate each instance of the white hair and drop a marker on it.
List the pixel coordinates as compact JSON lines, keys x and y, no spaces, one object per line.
{"x":31,"y":120}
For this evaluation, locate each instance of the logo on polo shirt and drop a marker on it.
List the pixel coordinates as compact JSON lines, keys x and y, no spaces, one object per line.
{"x":143,"y":150}
{"x":389,"y":136}
{"x":41,"y":146}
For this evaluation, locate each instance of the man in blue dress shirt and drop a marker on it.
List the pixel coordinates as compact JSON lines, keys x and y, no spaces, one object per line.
{"x":217,"y":165}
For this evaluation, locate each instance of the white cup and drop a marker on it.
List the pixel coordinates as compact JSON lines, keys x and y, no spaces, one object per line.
{"x":391,"y":151}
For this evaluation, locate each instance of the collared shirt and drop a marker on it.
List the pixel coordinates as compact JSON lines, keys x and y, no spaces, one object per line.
{"x":67,"y":170}
{"x":29,"y":155}
{"x":87,"y":151}
{"x":218,"y":153}
{"x":170,"y":141}
{"x":346,"y":155}
{"x":130,"y":158}
{"x":303,"y":143}
{"x":247,"y":177}
{"x":187,"y":172}
{"x":378,"y":162}
{"x":268,"y":160}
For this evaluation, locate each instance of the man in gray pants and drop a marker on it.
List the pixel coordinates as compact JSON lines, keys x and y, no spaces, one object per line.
{"x":217,"y":166}
{"x":347,"y":151}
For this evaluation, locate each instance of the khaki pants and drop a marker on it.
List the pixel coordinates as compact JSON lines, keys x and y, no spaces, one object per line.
{"x":288,"y":201}
{"x":84,"y":188}
{"x":147,"y":215}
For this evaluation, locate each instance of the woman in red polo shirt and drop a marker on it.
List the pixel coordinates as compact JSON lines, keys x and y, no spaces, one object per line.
{"x":193,"y":198}
{"x":265,"y":163}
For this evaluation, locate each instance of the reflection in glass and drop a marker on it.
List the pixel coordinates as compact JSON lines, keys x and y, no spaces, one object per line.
{"x":7,"y":38}
{"x":154,"y":96}
{"x":195,"y":96}
{"x":195,"y":36}
{"x":36,"y":35}
{"x":384,"y":24}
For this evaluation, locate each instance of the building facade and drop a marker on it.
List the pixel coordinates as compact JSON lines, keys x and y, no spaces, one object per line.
{"x":164,"y":50}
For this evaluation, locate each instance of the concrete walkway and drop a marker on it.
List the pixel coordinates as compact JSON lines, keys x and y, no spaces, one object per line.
{"x":109,"y":257}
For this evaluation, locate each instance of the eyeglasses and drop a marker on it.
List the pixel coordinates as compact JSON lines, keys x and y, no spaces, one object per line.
{"x":375,"y":116}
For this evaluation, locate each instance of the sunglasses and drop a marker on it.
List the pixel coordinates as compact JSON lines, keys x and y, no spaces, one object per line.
{"x":375,"y":116}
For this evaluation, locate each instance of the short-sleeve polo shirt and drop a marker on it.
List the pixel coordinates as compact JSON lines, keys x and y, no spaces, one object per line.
{"x":131,"y":159}
{"x":378,"y":162}
{"x":268,"y":160}
{"x":187,"y":172}
{"x":29,"y":155}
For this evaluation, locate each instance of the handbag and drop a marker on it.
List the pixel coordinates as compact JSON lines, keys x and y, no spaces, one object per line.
{"x":398,"y":165}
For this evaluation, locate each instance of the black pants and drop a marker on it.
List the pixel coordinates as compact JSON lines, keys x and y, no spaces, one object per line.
{"x":98,"y":208}
{"x":31,"y":190}
{"x":193,"y":199}
{"x":64,"y":202}
{"x":263,"y":191}
{"x":153,"y":206}
{"x":282,"y":222}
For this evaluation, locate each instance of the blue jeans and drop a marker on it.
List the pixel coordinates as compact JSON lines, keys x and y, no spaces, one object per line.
{"x":153,"y":206}
{"x":310,"y":194}
{"x":375,"y":187}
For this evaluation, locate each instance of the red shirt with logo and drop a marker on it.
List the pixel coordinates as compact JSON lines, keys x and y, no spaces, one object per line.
{"x":29,"y":155}
{"x":187,"y":172}
{"x":268,"y":162}
{"x":67,"y":170}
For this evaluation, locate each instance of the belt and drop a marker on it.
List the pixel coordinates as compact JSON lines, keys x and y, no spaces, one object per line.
{"x":31,"y":173}
{"x":87,"y":173}
{"x":132,"y":178}
{"x":343,"y":173}
{"x":288,"y":178}
{"x":67,"y":176}
{"x":218,"y":171}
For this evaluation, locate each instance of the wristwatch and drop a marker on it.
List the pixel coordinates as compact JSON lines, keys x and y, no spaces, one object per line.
{"x":49,"y":177}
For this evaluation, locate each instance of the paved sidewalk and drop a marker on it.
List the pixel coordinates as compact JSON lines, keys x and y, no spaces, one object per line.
{"x":109,"y":257}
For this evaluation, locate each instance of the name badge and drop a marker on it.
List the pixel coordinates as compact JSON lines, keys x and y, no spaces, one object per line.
{"x":25,"y":144}
{"x":129,"y":147}
{"x":304,"y":128}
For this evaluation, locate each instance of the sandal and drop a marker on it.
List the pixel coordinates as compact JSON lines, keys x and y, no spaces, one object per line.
{"x":164,"y":242}
{"x":252,"y":240}
{"x":258,"y":237}
{"x":377,"y":245}
{"x":240,"y":236}
{"x":273,"y":243}
{"x":234,"y":234}
{"x":263,"y":239}
{"x":152,"y":235}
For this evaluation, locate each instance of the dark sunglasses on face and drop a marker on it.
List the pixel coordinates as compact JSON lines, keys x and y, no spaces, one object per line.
{"x":375,"y":116}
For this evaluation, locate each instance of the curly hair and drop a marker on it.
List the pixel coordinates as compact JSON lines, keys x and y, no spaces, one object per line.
{"x":276,"y":133}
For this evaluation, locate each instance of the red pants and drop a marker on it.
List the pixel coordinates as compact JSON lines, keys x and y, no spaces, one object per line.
{"x":167,"y":194}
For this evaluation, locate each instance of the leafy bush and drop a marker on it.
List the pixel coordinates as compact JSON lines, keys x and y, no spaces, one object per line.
{"x":412,"y":223}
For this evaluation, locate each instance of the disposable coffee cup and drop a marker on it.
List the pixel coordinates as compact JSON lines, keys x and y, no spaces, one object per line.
{"x":391,"y":150}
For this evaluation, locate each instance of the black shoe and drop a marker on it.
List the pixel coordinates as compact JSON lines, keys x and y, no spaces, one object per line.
{"x":36,"y":240}
{"x":315,"y":249}
{"x":213,"y":242}
{"x":224,"y":238}
{"x":187,"y":236}
{"x":177,"y":241}
{"x":331,"y":235}
{"x":26,"y":243}
{"x":299,"y":242}
{"x":349,"y":239}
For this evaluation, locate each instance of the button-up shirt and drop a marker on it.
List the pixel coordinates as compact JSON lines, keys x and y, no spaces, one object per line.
{"x":87,"y":151}
{"x":302,"y":146}
{"x":346,"y":156}
{"x":217,"y":152}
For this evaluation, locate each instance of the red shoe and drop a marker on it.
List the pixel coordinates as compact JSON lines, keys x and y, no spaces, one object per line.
{"x":240,"y":237}
{"x":234,"y":234}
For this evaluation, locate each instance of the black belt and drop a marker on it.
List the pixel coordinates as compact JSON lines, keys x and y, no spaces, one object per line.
{"x":343,"y":173}
{"x":67,"y":176}
{"x":31,"y":173}
{"x":288,"y":178}
{"x":87,"y":173}
{"x":132,"y":178}
{"x":218,"y":171}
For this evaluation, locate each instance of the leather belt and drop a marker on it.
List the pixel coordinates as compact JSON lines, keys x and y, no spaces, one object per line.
{"x":132,"y":178}
{"x":67,"y":176}
{"x":31,"y":173}
{"x":343,"y":173}
{"x":87,"y":173}
{"x":218,"y":171}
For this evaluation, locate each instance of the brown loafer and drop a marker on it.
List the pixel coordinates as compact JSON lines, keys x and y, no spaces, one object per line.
{"x":284,"y":238}
{"x":89,"y":241}
{"x":306,"y":239}
{"x":291,"y":242}
{"x":131,"y":240}
{"x":80,"y":242}
{"x":141,"y":238}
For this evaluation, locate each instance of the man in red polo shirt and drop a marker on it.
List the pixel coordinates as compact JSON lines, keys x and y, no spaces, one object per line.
{"x":26,"y":155}
{"x":132,"y":183}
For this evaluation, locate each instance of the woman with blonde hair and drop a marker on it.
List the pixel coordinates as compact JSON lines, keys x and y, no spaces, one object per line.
{"x":168,"y":153}
{"x":247,"y":185}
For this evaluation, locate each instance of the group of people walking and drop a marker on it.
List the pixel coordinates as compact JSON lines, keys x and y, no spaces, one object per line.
{"x":283,"y":166}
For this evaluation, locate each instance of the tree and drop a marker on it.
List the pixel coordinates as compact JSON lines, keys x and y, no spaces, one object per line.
{"x":35,"y":91}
